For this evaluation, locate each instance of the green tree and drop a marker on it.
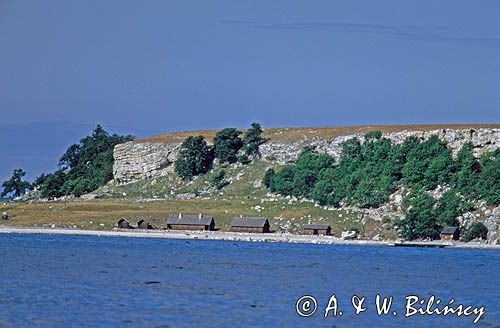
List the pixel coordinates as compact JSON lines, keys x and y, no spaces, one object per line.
{"x":53,"y":184}
{"x":252,"y":140}
{"x":227,"y":143}
{"x":71,"y":157}
{"x":38,"y":182}
{"x":282,"y":182}
{"x":475,"y":230}
{"x":15,"y":184}
{"x":428,"y":164}
{"x":448,"y":208}
{"x":489,"y":178}
{"x":324,"y":193}
{"x":467,"y":168}
{"x":420,"y":221}
{"x":195,"y":157}
{"x":372,"y":192}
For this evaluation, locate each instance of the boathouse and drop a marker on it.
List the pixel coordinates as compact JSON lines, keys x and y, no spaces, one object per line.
{"x":123,"y":224}
{"x":317,"y":229}
{"x":250,"y":224}
{"x":143,"y":224}
{"x":449,"y":233}
{"x":190,"y":222}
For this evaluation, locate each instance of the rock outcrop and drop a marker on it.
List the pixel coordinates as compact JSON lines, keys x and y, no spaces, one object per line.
{"x":137,"y":161}
{"x":483,"y":140}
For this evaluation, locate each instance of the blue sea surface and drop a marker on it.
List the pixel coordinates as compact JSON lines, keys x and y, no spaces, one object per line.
{"x":76,"y":281}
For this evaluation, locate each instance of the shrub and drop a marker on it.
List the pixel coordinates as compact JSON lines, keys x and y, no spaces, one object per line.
{"x":268,"y":177}
{"x":243,"y":159}
{"x":475,"y":230}
{"x":376,"y":134}
{"x":218,"y":180}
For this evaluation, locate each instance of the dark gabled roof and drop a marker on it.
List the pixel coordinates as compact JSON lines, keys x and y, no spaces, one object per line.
{"x":121,"y":220}
{"x":190,"y":219}
{"x":249,"y":222}
{"x":316,"y":227}
{"x":449,"y":230}
{"x":141,"y":221}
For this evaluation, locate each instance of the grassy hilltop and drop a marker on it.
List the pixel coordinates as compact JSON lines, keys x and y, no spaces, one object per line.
{"x":327,"y":132}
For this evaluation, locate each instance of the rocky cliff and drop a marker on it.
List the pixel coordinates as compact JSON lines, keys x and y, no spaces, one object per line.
{"x":138,"y":160}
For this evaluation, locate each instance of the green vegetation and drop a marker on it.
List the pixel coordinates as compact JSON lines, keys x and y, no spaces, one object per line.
{"x":15,"y":184}
{"x":268,"y":178}
{"x":252,"y":140}
{"x":53,"y":185}
{"x":84,"y":167}
{"x":217,"y":181}
{"x":421,"y":221}
{"x":227,"y":143}
{"x":195,"y":157}
{"x":369,"y":173}
{"x":426,"y":216}
{"x":475,"y":230}
{"x":489,"y":179}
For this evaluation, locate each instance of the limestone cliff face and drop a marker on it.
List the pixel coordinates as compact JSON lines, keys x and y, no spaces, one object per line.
{"x":136,"y":161}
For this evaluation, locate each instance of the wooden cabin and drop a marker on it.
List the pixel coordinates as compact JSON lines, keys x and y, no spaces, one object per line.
{"x":191,"y":222}
{"x":143,"y":224}
{"x":250,"y":224}
{"x":317,"y":229}
{"x":123,"y":224}
{"x":449,"y":233}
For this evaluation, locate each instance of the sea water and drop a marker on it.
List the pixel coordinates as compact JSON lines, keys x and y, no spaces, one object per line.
{"x":77,"y":281}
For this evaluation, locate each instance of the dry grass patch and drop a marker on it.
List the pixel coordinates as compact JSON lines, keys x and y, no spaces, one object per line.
{"x":329,"y":132}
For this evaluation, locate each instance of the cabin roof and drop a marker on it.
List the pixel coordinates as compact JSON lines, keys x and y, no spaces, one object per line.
{"x":141,"y":221}
{"x":316,"y":227}
{"x":249,"y":222}
{"x":190,"y":219}
{"x":449,"y":230}
{"x":122,"y":220}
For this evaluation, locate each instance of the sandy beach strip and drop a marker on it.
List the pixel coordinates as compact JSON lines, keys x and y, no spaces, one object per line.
{"x":240,"y":237}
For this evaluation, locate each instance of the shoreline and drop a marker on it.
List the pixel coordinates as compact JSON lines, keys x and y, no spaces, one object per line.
{"x":242,"y":237}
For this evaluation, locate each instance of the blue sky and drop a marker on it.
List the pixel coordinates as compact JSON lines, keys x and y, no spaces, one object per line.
{"x":146,"y":67}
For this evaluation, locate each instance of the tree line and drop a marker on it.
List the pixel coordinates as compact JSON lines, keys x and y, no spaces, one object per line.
{"x":84,"y":167}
